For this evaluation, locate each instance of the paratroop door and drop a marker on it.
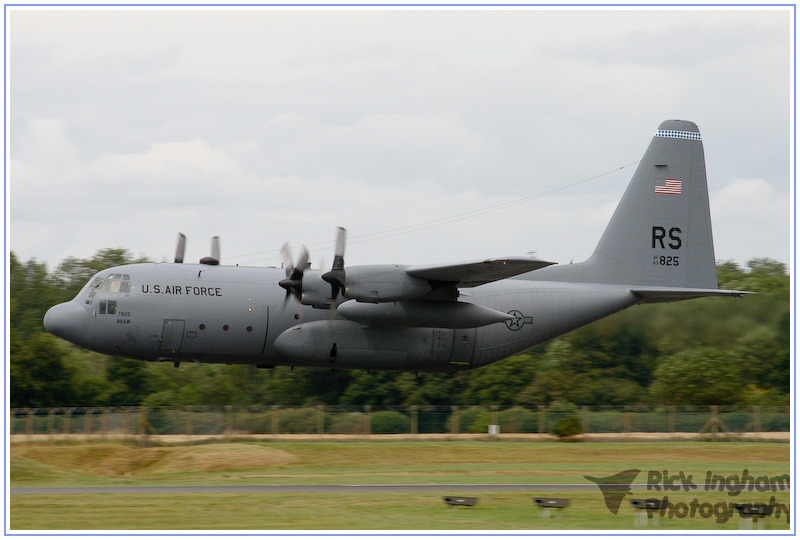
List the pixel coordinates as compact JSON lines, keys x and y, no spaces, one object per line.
{"x":172,"y":335}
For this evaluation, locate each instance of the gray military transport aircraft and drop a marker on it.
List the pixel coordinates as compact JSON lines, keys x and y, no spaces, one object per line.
{"x":421,"y":318}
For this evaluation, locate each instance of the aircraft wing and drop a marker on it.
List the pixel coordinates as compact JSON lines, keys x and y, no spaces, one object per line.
{"x":652,"y":295}
{"x":472,"y":274}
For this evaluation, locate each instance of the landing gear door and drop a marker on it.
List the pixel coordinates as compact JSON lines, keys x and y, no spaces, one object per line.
{"x":463,"y":346}
{"x":172,"y":335}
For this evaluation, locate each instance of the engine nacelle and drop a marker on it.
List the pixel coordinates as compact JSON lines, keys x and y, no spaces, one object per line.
{"x":316,"y":292}
{"x":383,"y":283}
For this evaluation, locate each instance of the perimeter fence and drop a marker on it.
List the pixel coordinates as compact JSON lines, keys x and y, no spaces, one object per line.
{"x":427,"y":419}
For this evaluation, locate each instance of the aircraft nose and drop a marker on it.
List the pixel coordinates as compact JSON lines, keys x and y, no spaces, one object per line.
{"x":68,"y":321}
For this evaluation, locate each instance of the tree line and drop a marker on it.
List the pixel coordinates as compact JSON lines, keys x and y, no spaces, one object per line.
{"x":707,"y":351}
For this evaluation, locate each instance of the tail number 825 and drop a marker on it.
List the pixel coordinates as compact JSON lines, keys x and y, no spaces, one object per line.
{"x":665,"y":260}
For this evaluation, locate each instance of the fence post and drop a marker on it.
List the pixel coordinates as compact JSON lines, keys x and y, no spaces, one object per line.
{"x":51,"y":423}
{"x":87,"y":422}
{"x":585,"y":418}
{"x":714,"y":422}
{"x":757,"y":419}
{"x":29,"y":422}
{"x":141,"y":428}
{"x":67,"y":422}
{"x":414,"y":419}
{"x":320,"y":419}
{"x":189,"y":420}
{"x":542,"y":420}
{"x":274,"y":426}
{"x":454,"y":420}
{"x":228,"y":420}
{"x":627,"y":419}
{"x":104,"y":422}
{"x":367,"y":419}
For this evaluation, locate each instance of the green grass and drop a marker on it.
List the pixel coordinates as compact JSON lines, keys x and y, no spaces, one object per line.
{"x":453,"y":462}
{"x":340,"y":511}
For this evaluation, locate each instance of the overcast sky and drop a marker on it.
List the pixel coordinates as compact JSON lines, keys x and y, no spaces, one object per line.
{"x":266,"y":125}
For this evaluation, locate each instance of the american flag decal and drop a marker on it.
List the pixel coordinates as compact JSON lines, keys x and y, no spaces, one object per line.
{"x":670,"y":186}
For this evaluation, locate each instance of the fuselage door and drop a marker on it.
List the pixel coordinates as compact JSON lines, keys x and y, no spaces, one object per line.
{"x":171,"y":335}
{"x":463,"y":346}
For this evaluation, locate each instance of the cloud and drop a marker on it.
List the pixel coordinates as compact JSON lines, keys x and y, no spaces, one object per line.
{"x":677,"y":43}
{"x":751,"y":212}
{"x":264,"y":125}
{"x":749,"y":198}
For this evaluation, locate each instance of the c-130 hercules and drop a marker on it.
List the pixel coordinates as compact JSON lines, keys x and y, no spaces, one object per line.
{"x":421,"y":318}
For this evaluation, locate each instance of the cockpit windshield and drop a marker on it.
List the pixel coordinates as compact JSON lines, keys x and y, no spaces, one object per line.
{"x":112,"y":283}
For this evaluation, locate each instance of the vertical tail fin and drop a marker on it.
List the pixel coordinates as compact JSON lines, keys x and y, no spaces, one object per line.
{"x":660,"y":234}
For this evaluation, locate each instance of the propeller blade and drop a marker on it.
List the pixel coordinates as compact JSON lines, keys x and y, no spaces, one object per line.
{"x":302,"y":262}
{"x":180,"y":251}
{"x":212,"y":260}
{"x":286,"y":255}
{"x":341,"y":238}
{"x":336,"y":277}
{"x":215,"y":248}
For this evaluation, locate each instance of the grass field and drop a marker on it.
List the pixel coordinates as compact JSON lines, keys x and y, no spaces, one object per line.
{"x":339,"y":463}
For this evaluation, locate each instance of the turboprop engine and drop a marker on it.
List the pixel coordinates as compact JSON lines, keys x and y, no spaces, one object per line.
{"x":372,"y":283}
{"x":375,"y":283}
{"x":383,"y":283}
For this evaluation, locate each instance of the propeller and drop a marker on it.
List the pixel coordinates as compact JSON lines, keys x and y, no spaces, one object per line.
{"x":314,"y":291}
{"x":214,"y":258}
{"x":180,"y":251}
{"x":294,"y":274}
{"x":336,"y":276}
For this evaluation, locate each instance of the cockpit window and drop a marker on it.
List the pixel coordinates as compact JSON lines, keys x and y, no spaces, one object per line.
{"x":108,"y":307}
{"x":114,"y":283}
{"x":125,"y":284}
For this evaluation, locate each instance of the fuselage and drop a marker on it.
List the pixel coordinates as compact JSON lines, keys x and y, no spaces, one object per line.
{"x":239,"y":315}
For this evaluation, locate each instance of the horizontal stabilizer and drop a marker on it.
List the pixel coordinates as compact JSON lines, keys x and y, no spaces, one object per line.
{"x":652,"y":295}
{"x":472,"y":274}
